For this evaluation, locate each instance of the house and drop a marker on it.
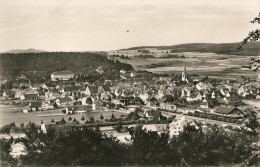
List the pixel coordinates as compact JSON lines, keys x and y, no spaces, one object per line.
{"x":152,"y":102}
{"x":82,"y":109}
{"x":194,"y":97}
{"x":204,"y":104}
{"x":144,"y":96}
{"x":227,"y":110}
{"x":29,"y":96}
{"x":63,"y":100}
{"x":97,"y":105}
{"x":166,"y":104}
{"x":47,"y":106}
{"x":151,"y":128}
{"x":70,"y":110}
{"x":86,"y":101}
{"x":222,"y":101}
{"x":34,"y":86}
{"x":152,"y":114}
{"x":32,"y":92}
{"x":18,"y":94}
{"x":44,"y":86}
{"x":90,"y":90}
{"x":36,"y":106}
{"x":7,"y":94}
{"x":61,"y":75}
{"x":186,"y":91}
{"x":176,"y":127}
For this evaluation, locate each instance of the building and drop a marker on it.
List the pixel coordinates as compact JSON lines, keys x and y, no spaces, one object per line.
{"x":176,"y":127}
{"x":36,"y":106}
{"x":61,"y":75}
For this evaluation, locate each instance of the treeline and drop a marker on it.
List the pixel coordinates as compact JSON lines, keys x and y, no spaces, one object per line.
{"x":145,"y":56}
{"x":250,"y":49}
{"x":172,"y":56}
{"x":14,"y":64}
{"x":83,"y":146}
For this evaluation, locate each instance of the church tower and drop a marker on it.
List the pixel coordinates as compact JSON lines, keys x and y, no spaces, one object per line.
{"x":184,"y":74}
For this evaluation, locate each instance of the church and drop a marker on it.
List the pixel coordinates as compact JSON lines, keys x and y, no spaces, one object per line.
{"x":183,"y":80}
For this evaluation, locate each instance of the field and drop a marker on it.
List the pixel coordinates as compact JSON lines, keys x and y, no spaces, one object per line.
{"x":9,"y":114}
{"x":211,"y":64}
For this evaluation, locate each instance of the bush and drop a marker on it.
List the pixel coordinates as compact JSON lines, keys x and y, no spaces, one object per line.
{"x":8,"y":128}
{"x":101,"y":117}
{"x":70,"y":118}
{"x":92,"y":119}
{"x":82,"y":118}
{"x":52,"y":121}
{"x":22,"y":125}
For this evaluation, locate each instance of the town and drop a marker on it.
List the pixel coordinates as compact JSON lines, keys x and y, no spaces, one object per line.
{"x":160,"y":103}
{"x":129,"y":83}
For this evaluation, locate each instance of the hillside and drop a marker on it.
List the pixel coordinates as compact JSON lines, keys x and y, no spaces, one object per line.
{"x":250,"y":49}
{"x":13,"y":64}
{"x":31,"y":50}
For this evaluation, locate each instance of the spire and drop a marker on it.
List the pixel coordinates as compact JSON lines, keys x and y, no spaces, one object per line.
{"x":184,"y":74}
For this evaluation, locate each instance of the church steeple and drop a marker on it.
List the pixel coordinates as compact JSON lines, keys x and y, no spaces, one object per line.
{"x":184,"y":74}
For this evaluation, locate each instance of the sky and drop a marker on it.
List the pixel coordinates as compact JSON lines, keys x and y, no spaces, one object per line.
{"x":103,"y":25}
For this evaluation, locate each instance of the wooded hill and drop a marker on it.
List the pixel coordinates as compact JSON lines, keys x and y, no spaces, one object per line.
{"x":250,"y":49}
{"x":15,"y":64}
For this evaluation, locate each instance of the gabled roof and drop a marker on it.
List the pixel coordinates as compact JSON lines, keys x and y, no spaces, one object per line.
{"x":32,"y":92}
{"x":93,"y":89}
{"x":30,"y":96}
{"x":162,"y":100}
{"x":152,"y":98}
{"x":220,"y":100}
{"x":8,"y":92}
{"x":62,"y":73}
{"x":226,"y":110}
{"x":64,"y":99}
{"x":106,"y":87}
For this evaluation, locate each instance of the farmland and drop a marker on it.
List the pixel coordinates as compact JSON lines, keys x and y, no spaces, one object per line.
{"x":215,"y":65}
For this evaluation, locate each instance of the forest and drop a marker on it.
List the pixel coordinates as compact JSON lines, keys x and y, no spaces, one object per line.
{"x":250,"y":49}
{"x":12,"y":64}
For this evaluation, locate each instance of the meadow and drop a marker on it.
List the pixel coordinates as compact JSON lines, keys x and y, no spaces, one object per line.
{"x":10,"y":113}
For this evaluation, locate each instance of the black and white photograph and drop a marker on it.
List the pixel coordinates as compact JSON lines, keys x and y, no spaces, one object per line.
{"x":129,"y":83}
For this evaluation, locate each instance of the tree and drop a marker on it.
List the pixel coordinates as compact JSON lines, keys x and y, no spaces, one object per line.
{"x":5,"y":148}
{"x":52,"y":121}
{"x":251,"y":121}
{"x":8,"y":128}
{"x":64,"y":146}
{"x":253,"y":35}
{"x":101,"y":117}
{"x":149,"y":148}
{"x":92,"y":119}
{"x":82,"y":118}
{"x":112,"y":116}
{"x":69,"y":119}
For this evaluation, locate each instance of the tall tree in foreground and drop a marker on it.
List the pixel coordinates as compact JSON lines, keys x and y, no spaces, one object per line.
{"x":253,"y":35}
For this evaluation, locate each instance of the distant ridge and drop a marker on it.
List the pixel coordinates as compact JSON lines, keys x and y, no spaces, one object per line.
{"x":30,"y":50}
{"x":250,"y":49}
